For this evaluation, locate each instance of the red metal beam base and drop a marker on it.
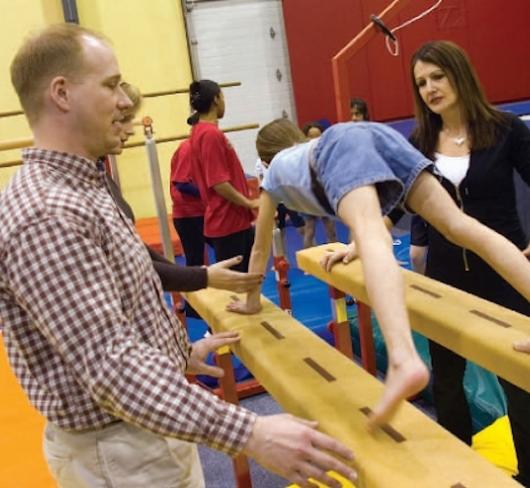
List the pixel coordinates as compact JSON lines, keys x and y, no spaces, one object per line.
{"x":366,"y":337}
{"x":228,"y":386}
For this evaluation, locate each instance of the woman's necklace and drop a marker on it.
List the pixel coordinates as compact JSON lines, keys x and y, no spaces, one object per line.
{"x":458,"y":140}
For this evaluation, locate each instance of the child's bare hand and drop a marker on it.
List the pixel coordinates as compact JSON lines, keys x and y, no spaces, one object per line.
{"x":345,"y":255}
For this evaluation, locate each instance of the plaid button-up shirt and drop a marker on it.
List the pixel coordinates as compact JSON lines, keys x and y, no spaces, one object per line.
{"x":86,"y":328}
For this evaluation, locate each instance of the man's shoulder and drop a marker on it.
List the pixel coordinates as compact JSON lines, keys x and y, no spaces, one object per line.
{"x":33,"y":196}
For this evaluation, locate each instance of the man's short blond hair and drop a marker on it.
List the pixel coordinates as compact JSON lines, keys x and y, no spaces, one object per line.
{"x":54,"y":51}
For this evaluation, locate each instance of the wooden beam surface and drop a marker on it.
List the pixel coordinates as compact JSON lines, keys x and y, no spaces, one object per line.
{"x":470,"y":326}
{"x":311,"y":379}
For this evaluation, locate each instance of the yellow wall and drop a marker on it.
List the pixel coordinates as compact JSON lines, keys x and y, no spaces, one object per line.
{"x":18,"y":18}
{"x":150,"y":41}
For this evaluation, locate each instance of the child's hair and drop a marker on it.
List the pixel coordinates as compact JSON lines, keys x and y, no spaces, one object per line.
{"x":311,"y":125}
{"x":202,"y":95}
{"x":361,"y":105}
{"x":134,"y":95}
{"x":277,"y":136}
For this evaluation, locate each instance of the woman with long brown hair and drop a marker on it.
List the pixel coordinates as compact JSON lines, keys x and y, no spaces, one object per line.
{"x":476,"y":150}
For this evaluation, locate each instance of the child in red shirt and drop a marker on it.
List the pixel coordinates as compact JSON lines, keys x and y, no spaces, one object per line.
{"x":220,"y":178}
{"x":188,"y":207}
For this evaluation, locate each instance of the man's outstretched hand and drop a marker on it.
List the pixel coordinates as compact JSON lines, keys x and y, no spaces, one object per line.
{"x":292,"y":447}
{"x":200,"y":350}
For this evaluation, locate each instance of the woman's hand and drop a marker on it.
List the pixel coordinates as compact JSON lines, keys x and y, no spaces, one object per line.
{"x":222,"y":277}
{"x":346,"y":255}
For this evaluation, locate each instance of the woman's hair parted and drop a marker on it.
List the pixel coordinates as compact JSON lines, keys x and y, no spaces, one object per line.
{"x":483,"y":120}
{"x":277,"y":136}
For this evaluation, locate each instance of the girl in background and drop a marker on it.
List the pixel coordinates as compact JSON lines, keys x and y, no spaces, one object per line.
{"x":359,"y":110}
{"x":188,"y":208}
{"x":222,"y":184}
{"x":173,"y":276}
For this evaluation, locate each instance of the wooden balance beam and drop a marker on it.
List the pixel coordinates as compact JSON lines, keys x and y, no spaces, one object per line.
{"x":311,"y":379}
{"x":470,"y":326}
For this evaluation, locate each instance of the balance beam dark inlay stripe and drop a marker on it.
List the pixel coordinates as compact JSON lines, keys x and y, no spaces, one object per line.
{"x":387,"y":429}
{"x":485,"y":316}
{"x":427,"y":292}
{"x":319,"y":369}
{"x":276,"y":333}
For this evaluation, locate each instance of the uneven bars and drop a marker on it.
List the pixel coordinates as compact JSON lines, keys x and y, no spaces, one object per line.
{"x":17,"y":144}
{"x":185,"y":90}
{"x":180,"y":137}
{"x":12,"y":113}
{"x":10,"y":164}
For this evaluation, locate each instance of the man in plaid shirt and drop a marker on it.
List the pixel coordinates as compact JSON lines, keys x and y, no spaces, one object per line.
{"x":85,"y":325}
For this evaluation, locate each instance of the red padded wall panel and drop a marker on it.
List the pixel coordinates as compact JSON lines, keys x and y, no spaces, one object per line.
{"x":316,"y":29}
{"x":496,"y":34}
{"x":499,"y":44}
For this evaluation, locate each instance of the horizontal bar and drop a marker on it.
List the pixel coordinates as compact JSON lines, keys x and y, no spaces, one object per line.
{"x":181,"y":137}
{"x":179,"y":91}
{"x":10,"y":164}
{"x":163,"y":93}
{"x":16,"y":144}
{"x":11,"y":113}
{"x":4,"y":146}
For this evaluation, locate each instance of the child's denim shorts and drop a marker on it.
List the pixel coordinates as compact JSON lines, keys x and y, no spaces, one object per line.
{"x":355,"y":154}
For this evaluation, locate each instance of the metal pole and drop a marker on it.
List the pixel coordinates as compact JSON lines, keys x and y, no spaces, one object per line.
{"x":70,"y":11}
{"x":158,"y":192}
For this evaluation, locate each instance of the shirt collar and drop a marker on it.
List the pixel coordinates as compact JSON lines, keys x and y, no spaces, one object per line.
{"x":71,"y":165}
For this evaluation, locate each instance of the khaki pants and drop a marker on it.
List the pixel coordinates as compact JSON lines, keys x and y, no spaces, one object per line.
{"x":121,"y":456}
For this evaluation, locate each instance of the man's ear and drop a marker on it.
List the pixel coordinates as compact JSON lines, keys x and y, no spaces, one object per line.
{"x":58,"y":92}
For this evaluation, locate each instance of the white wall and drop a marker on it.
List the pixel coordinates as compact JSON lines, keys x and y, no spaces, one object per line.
{"x":231,"y":41}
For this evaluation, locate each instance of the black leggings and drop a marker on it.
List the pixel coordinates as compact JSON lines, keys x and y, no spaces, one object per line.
{"x":239,"y":243}
{"x":190,"y":231}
